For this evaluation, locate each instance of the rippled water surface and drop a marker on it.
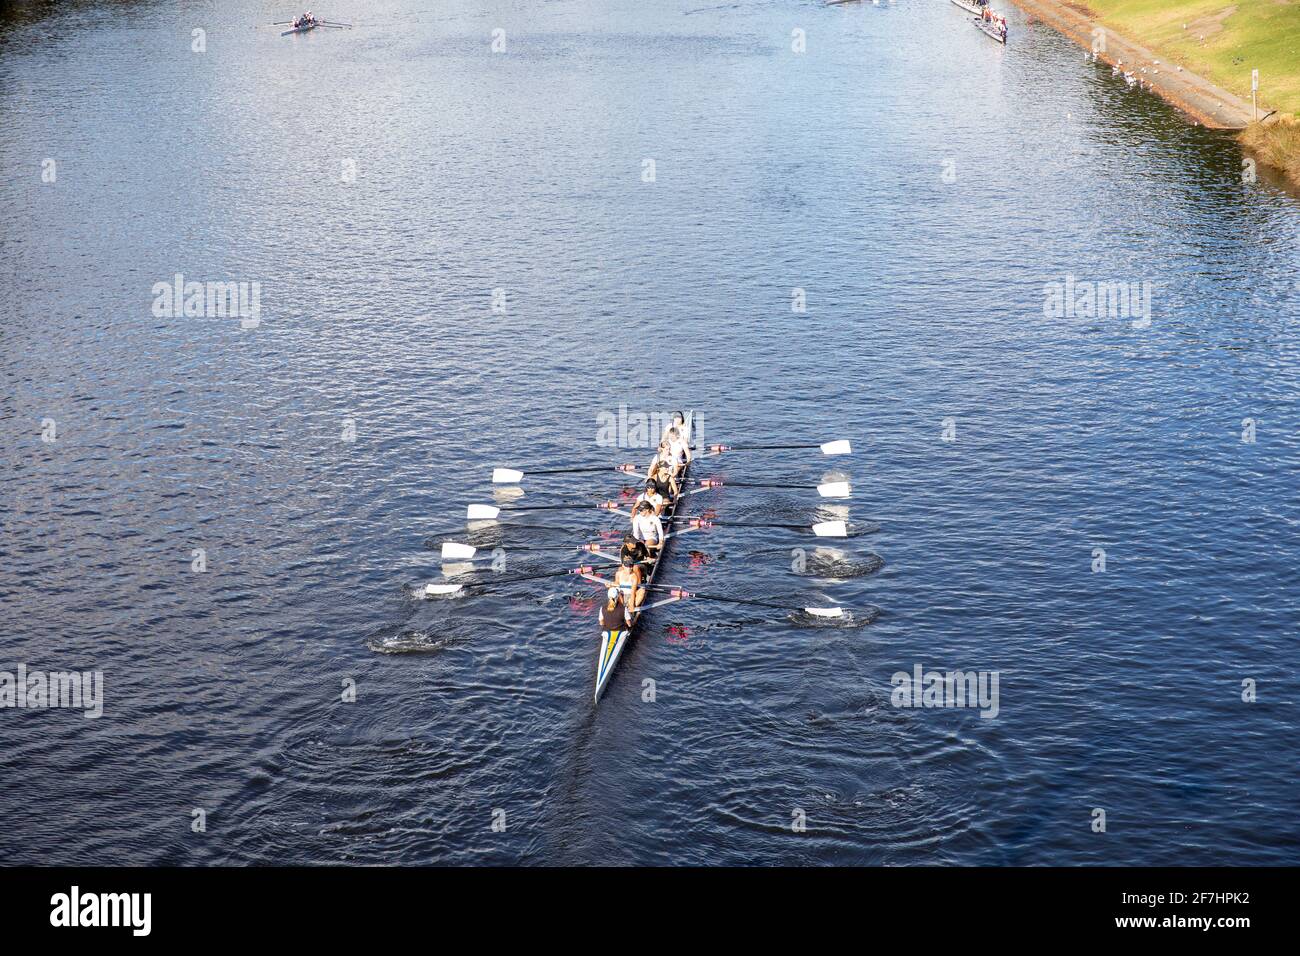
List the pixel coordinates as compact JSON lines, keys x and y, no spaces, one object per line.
{"x":920,"y":184}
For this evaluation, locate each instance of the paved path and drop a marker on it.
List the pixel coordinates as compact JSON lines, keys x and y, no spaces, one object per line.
{"x":1208,"y":104}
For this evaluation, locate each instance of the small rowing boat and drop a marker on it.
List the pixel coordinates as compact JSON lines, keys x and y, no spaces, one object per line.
{"x":612,"y":643}
{"x":995,"y":27}
{"x":970,"y":6}
{"x":312,"y":25}
{"x":309,"y":21}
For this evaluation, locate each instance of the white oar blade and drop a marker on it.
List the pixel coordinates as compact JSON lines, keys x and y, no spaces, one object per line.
{"x":840,"y":447}
{"x":452,"y":551}
{"x":482,"y":512}
{"x":432,"y":589}
{"x":831,"y":529}
{"x":506,"y":476}
{"x":825,"y":611}
{"x":834,"y":489}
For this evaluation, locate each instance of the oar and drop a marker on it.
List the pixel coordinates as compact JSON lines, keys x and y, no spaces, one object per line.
{"x":683,"y":593}
{"x":839,"y":447}
{"x":510,"y":476}
{"x":455,"y":551}
{"x":823,"y":529}
{"x":331,"y":23}
{"x":830,"y":489}
{"x":490,"y":512}
{"x":455,"y":588}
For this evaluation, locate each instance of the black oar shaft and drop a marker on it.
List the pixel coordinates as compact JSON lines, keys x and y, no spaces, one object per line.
{"x":719,"y":597}
{"x":749,"y":484}
{"x":530,"y":577}
{"x":767,"y":447}
{"x":572,"y":471}
{"x":744,"y":524}
{"x":552,"y":507}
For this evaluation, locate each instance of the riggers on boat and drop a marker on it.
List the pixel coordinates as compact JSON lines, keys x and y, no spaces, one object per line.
{"x":613,"y":642}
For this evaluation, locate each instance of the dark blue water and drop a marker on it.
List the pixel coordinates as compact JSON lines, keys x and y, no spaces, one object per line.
{"x":522,"y":171}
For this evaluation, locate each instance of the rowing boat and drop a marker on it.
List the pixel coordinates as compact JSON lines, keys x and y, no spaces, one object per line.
{"x":970,"y":6}
{"x":302,"y":29}
{"x":997,"y":29}
{"x":612,"y":643}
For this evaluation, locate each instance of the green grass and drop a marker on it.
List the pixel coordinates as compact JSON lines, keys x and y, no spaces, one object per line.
{"x":1259,"y":35}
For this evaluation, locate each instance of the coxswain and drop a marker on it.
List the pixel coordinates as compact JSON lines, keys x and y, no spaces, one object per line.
{"x":613,"y":613}
{"x":630,"y":580}
{"x":647,"y":528}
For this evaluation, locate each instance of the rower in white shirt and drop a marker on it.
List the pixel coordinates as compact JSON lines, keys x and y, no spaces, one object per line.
{"x":678,"y":440}
{"x":652,"y":495}
{"x":678,"y":422}
{"x":647,"y":528}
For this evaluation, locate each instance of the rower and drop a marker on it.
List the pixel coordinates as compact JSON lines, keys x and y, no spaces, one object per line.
{"x":652,"y":495}
{"x":678,"y":422}
{"x":665,"y":454}
{"x":680,"y":447}
{"x":647,"y":528}
{"x":665,"y":482}
{"x":634,"y":548}
{"x":613,"y":613}
{"x":630,"y":580}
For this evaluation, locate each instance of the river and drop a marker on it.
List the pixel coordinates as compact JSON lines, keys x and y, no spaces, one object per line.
{"x":465,"y":257}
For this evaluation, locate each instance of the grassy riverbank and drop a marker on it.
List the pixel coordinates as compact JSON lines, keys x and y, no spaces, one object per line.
{"x":1221,"y":41}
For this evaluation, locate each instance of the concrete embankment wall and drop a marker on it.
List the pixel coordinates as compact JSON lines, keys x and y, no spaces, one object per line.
{"x":1205,"y":102}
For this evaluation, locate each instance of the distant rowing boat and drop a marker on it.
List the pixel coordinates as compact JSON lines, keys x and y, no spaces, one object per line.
{"x":997,"y":29}
{"x":312,"y":24}
{"x":969,"y":6}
